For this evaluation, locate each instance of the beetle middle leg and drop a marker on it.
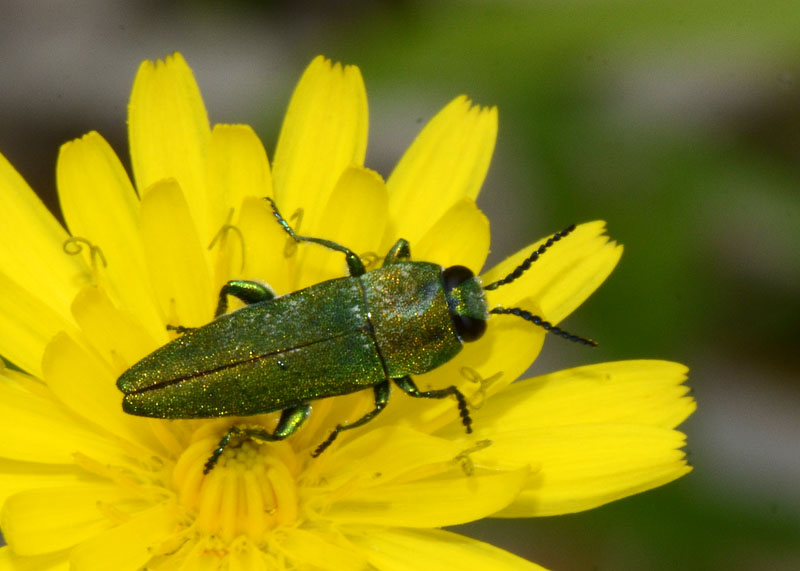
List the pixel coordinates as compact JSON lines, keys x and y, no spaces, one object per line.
{"x":245,"y":290}
{"x":180,"y":329}
{"x":411,"y":390}
{"x":381,"y":399}
{"x":290,"y":421}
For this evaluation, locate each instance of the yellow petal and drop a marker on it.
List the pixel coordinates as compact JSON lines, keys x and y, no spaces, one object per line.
{"x":176,"y":257}
{"x":169,"y":134}
{"x":28,"y":322}
{"x":355,"y":217}
{"x":436,"y":494}
{"x":45,"y":520}
{"x":390,"y":452}
{"x":206,"y":554}
{"x":38,"y":428}
{"x":563,"y":277}
{"x":265,"y":244}
{"x":41,"y":265}
{"x":591,"y":434}
{"x":116,"y":335}
{"x":431,"y":503}
{"x":580,"y":467}
{"x":625,"y":392}
{"x":460,"y":237}
{"x":128,"y":546}
{"x":324,"y":132}
{"x":320,"y":550}
{"x":16,"y":476}
{"x":237,"y":168}
{"x":101,"y":206}
{"x":433,"y":549}
{"x":245,"y":555}
{"x":88,"y":387}
{"x":10,"y":561}
{"x":445,"y":164}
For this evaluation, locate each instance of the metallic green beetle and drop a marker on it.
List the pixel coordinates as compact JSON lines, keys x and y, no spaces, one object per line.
{"x":332,"y":338}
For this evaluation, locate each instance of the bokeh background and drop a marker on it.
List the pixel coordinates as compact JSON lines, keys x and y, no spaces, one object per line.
{"x":676,"y":121}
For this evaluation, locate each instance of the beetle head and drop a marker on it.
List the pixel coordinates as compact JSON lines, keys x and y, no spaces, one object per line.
{"x":466,"y":301}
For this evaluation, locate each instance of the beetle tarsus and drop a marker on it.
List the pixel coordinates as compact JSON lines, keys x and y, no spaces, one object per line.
{"x":408,"y":387}
{"x":328,"y":441}
{"x":466,"y":419}
{"x":223,"y":443}
{"x":381,"y":391}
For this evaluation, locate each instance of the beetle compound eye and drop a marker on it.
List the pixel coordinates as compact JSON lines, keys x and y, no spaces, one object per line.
{"x":468,"y":328}
{"x":454,"y":276}
{"x":466,"y":302}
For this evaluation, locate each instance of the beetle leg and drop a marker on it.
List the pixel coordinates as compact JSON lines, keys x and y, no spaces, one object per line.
{"x":381,"y":399}
{"x":354,"y":263}
{"x":245,"y":290}
{"x":411,"y":390}
{"x":400,"y":252}
{"x":290,"y":421}
{"x":180,"y":329}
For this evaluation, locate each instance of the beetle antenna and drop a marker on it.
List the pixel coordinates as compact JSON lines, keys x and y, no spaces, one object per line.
{"x":546,"y":325}
{"x":526,"y":264}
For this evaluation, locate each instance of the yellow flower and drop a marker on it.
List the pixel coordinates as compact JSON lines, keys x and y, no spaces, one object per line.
{"x":84,"y":484}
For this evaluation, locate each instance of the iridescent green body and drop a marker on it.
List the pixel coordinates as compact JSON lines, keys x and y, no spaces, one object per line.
{"x":332,"y":338}
{"x":364,"y":331}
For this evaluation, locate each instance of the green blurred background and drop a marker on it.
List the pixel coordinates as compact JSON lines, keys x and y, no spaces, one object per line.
{"x":677,"y":122}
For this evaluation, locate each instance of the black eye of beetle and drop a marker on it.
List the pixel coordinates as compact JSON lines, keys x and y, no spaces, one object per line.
{"x":467,"y":328}
{"x":454,"y":276}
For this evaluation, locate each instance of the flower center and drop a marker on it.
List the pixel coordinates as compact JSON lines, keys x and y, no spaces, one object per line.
{"x":250,"y":491}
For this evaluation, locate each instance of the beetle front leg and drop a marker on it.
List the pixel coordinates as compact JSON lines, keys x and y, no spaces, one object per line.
{"x":400,"y":252}
{"x":290,"y":421}
{"x":411,"y":390}
{"x":381,"y":399}
{"x":245,"y":290}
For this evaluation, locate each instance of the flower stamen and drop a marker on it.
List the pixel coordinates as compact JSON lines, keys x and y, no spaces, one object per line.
{"x":74,"y":245}
{"x":249,"y":492}
{"x":464,"y":458}
{"x":477,"y":398}
{"x":222,"y":235}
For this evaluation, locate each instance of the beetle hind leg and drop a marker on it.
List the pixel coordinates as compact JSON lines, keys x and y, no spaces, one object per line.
{"x":381,"y":399}
{"x":411,"y":390}
{"x":290,"y":421}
